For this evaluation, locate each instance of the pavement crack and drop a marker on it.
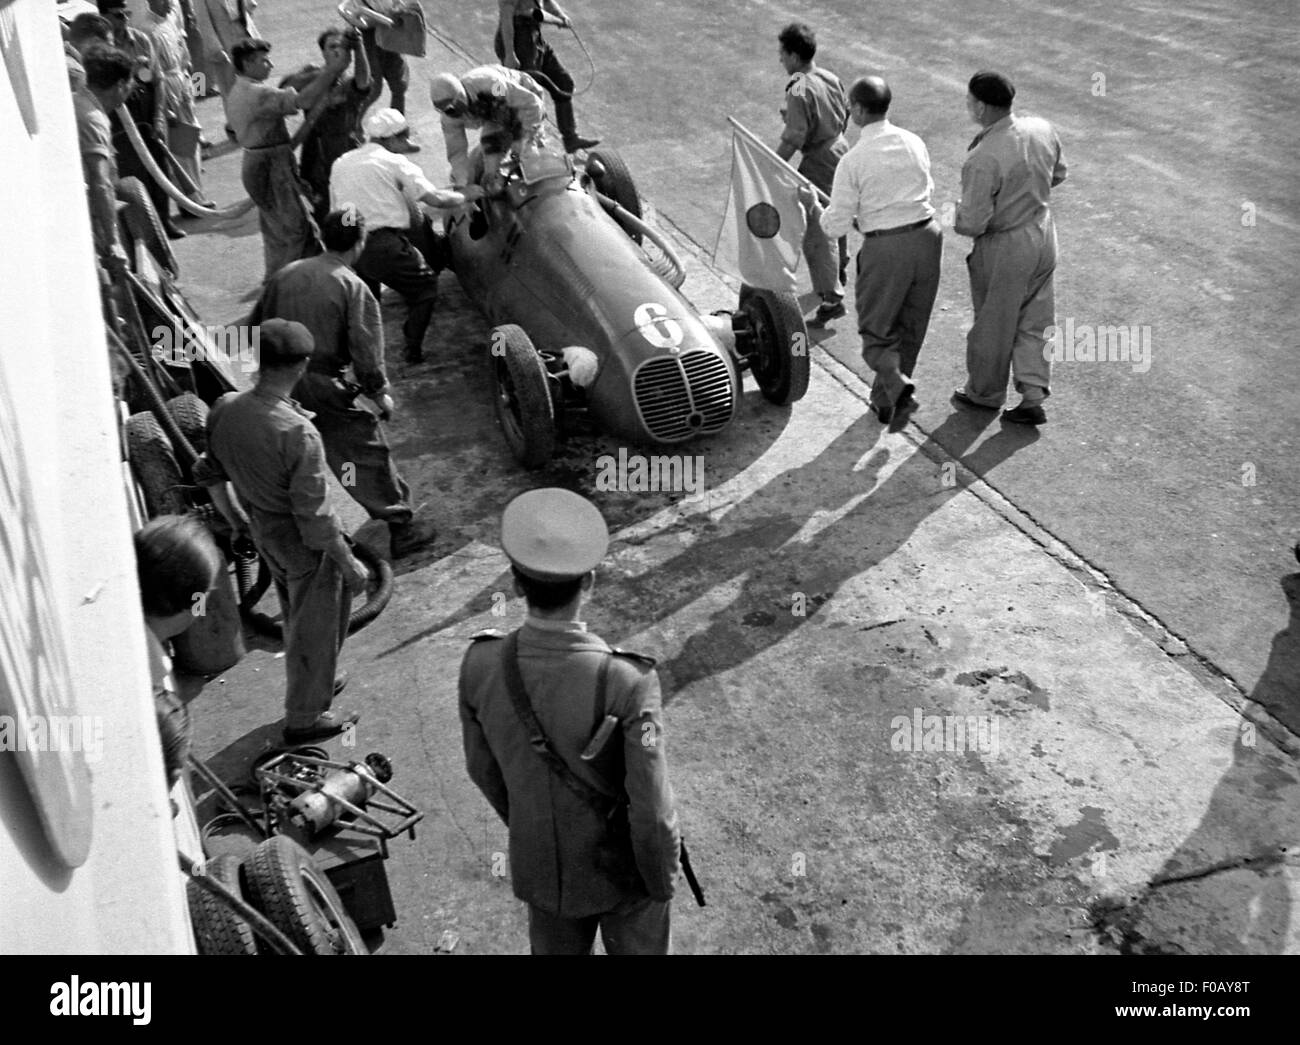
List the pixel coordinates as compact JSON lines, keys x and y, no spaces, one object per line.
{"x":1283,"y":854}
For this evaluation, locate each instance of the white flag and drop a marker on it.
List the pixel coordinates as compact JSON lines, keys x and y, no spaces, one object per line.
{"x":761,"y":239}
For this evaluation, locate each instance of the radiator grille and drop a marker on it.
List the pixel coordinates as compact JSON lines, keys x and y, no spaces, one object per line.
{"x":682,"y":396}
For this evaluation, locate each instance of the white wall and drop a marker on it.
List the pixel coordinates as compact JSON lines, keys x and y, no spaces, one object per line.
{"x":127,"y":896}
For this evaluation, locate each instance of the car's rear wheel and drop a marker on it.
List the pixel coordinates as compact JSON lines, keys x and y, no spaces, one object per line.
{"x":780,"y":360}
{"x":523,"y":396}
{"x":612,"y":178}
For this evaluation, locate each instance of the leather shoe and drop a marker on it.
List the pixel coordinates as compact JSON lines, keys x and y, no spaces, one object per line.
{"x":960,"y":397}
{"x":827,"y":311}
{"x":173,"y":231}
{"x":408,"y":537}
{"x":577,"y":142}
{"x":1026,"y":415}
{"x":327,"y":724}
{"x":884,"y":414}
{"x":340,"y":682}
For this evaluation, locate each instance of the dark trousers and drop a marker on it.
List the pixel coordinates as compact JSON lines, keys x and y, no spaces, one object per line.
{"x":315,"y":612}
{"x":355,"y":446}
{"x":386,"y":67}
{"x":270,"y":178}
{"x":637,"y":926}
{"x":535,"y":55}
{"x":898,"y":279}
{"x":391,"y":258}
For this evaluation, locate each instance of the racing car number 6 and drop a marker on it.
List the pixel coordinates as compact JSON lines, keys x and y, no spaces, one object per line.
{"x":656,"y":327}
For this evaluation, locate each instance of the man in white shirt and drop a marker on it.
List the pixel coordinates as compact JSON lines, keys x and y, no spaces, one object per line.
{"x":383,"y":187}
{"x":883,"y":187}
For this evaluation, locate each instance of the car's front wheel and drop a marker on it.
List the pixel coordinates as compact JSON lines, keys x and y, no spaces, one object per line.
{"x":779,"y":350}
{"x":523,"y":396}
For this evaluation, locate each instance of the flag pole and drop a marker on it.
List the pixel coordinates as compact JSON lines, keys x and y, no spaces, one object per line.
{"x":825,"y":200}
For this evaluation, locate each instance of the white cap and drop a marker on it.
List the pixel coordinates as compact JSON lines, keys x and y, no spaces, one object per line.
{"x":384,"y":123}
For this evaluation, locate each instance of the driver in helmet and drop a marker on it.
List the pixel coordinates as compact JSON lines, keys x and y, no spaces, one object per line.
{"x":506,"y":106}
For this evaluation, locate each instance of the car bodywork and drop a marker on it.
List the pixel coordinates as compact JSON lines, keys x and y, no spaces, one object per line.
{"x":552,"y":255}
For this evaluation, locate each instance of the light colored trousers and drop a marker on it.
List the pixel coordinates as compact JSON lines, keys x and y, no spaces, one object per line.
{"x":315,"y":609}
{"x":1012,"y":293}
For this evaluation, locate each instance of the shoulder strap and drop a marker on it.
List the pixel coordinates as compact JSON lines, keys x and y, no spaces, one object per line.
{"x":602,"y":803}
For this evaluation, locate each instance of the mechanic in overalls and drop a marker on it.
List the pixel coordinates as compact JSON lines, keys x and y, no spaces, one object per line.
{"x":519,"y":45}
{"x":256,"y":112}
{"x":504,"y":105}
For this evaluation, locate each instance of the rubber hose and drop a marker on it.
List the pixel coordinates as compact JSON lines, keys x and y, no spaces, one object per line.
{"x":235,"y":210}
{"x":257,"y":921}
{"x":374,"y":606}
{"x":621,"y":214}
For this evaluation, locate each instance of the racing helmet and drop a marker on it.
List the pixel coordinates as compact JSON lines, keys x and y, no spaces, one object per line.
{"x":448,"y":95}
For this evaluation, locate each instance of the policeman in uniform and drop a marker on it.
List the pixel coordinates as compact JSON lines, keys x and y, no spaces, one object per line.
{"x":575,"y":865}
{"x":816,"y":113}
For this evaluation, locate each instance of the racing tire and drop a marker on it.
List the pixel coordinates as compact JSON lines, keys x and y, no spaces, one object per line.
{"x":154,"y":463}
{"x":144,"y":225}
{"x":190,"y":414}
{"x":616,"y":183}
{"x":377,"y":597}
{"x":218,"y":929}
{"x":781,"y":362}
{"x":523,"y":396}
{"x":288,"y":886}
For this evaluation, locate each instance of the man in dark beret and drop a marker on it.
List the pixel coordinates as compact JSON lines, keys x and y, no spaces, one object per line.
{"x":265,"y":457}
{"x":1006,"y":185}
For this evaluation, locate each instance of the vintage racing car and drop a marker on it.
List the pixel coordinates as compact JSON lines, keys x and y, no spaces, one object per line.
{"x":588,"y":320}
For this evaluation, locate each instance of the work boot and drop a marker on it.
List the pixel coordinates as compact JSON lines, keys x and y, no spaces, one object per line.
{"x":408,"y":537}
{"x":327,"y":724}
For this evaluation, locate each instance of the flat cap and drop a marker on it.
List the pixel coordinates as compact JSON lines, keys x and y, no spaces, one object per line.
{"x":111,"y":5}
{"x":553,"y":534}
{"x":282,"y":341}
{"x":992,"y":89}
{"x":384,"y":123}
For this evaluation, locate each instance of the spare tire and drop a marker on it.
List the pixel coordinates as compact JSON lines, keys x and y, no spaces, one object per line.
{"x":190,"y":415}
{"x":288,"y":886}
{"x":380,"y":591}
{"x":154,"y":464}
{"x":143,"y":223}
{"x":218,"y":929}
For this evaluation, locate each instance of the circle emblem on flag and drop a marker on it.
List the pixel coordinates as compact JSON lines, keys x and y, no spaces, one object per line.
{"x":764,"y":220}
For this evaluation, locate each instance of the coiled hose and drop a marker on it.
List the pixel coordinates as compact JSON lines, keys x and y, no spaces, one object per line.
{"x":622,"y":215}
